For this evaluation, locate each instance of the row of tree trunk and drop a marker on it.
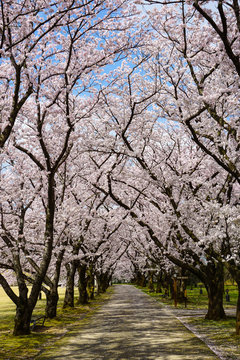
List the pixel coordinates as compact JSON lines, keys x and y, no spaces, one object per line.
{"x":86,"y":287}
{"x":164,"y":283}
{"x":86,"y":291}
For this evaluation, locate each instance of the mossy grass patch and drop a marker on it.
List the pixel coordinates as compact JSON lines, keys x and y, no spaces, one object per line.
{"x":29,"y":346}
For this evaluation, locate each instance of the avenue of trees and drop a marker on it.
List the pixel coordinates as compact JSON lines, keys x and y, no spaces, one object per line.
{"x":120,"y":147}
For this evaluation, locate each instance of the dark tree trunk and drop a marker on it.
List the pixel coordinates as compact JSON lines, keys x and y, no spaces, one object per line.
{"x":181,"y":291}
{"x":99,"y":283}
{"x":159,"y":283}
{"x":52,"y":294}
{"x":24,"y":307}
{"x":90,"y":283}
{"x":82,"y":285}
{"x":138,"y":277}
{"x":103,"y":280}
{"x":215,"y":289}
{"x":22,"y":319}
{"x":167,"y":285}
{"x":51,"y":305}
{"x":150,"y":281}
{"x":143,"y":281}
{"x":69,"y":293}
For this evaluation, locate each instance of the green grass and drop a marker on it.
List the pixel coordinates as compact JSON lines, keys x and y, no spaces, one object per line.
{"x":195,"y":300}
{"x":29,"y":346}
{"x":221,"y":333}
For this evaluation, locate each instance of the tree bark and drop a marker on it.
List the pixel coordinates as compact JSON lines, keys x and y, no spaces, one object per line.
{"x":150,"y":281}
{"x":52,"y":301}
{"x":22,"y":319}
{"x":69,"y":293}
{"x":215,"y":289}
{"x":103,"y":280}
{"x":24,"y":306}
{"x":142,"y":281}
{"x":90,"y":283}
{"x":52,"y":294}
{"x":159,"y":283}
{"x":82,"y":285}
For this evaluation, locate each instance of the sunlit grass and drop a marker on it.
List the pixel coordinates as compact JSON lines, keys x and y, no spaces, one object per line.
{"x":27,"y":347}
{"x":195,"y":299}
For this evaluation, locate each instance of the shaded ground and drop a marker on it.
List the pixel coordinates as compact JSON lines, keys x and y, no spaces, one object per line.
{"x":220,"y":336}
{"x":133,"y":326}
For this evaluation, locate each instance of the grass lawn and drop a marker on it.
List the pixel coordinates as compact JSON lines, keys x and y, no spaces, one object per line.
{"x":220,"y":333}
{"x":27,"y":347}
{"x":195,"y":300}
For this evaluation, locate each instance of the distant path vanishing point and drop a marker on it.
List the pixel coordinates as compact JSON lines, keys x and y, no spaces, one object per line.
{"x":131,"y":326}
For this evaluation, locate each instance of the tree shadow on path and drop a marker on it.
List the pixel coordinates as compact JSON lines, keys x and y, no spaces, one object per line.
{"x":131,"y":325}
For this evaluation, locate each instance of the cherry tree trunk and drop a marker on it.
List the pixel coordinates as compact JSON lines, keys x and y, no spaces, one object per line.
{"x":24,"y":307}
{"x":69,"y":293}
{"x":22,"y":319}
{"x":159,"y":283}
{"x":150,"y":281}
{"x":215,"y":289}
{"x":103,"y":280}
{"x":82,"y":285}
{"x":51,"y":305}
{"x":90,"y":283}
{"x":141,"y":279}
{"x":52,"y":294}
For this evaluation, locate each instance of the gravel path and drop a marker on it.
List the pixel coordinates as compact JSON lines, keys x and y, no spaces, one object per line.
{"x":131,"y":326}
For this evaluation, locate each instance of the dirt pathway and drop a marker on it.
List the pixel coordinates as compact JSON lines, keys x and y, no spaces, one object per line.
{"x":131,"y":326}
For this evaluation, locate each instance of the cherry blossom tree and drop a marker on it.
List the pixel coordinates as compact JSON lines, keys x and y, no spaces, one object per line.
{"x":209,"y":106}
{"x":52,"y":53}
{"x":136,"y":163}
{"x":47,"y":167}
{"x":159,"y":157}
{"x":39,"y":36}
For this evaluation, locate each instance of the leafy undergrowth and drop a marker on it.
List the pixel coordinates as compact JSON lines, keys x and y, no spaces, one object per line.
{"x":29,"y":346}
